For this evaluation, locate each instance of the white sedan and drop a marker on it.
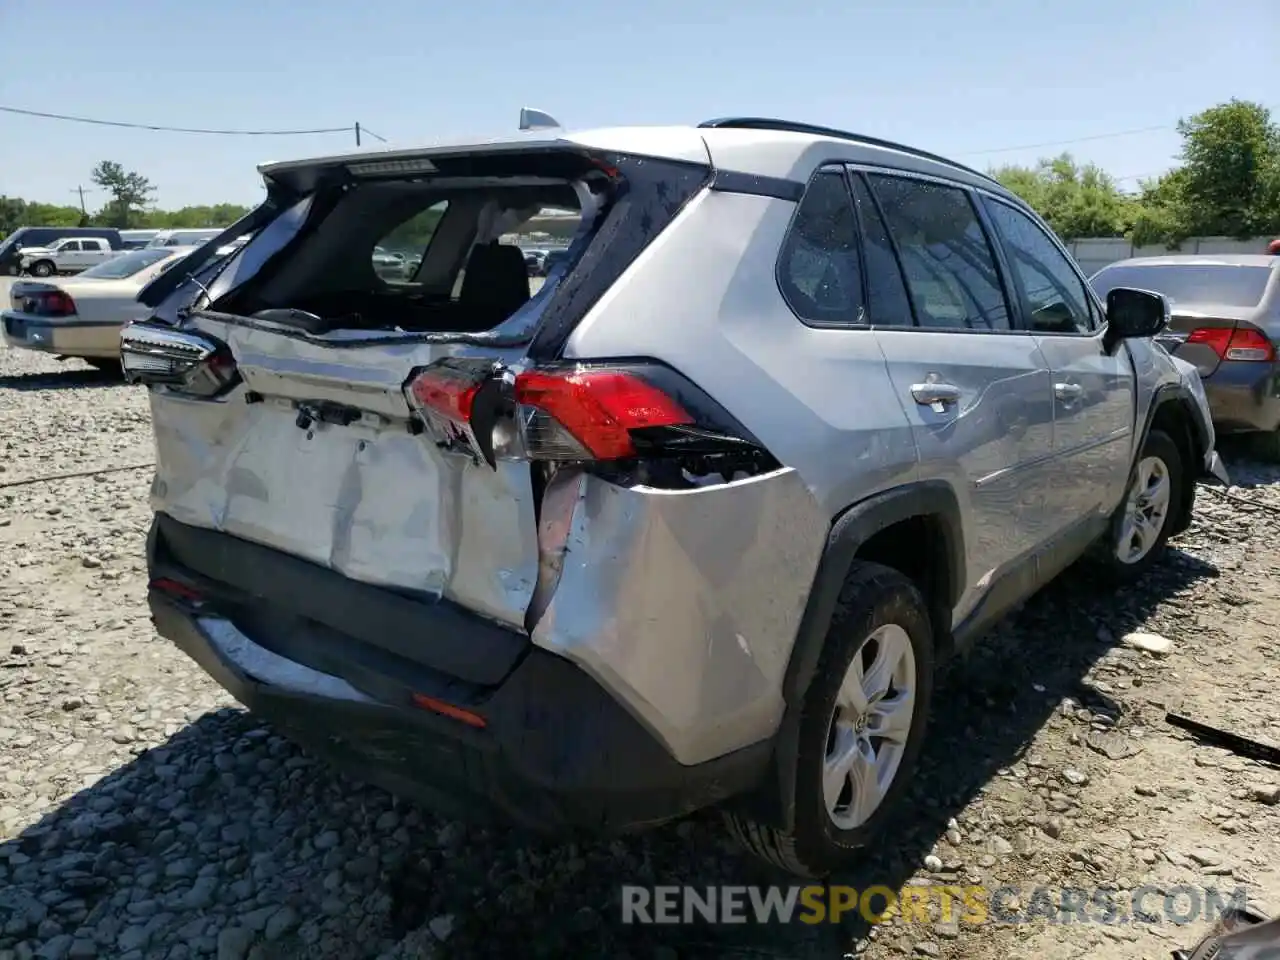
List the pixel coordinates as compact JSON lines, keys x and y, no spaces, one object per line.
{"x":81,"y":316}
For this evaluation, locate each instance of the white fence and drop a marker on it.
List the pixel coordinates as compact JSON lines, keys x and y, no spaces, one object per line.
{"x":1094,"y":253}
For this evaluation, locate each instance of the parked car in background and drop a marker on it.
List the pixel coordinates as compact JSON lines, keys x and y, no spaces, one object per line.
{"x":68,"y":255}
{"x":534,"y":260}
{"x":82,"y":316}
{"x":692,"y":526}
{"x":137,"y":239}
{"x":183,"y":237}
{"x":552,"y":260}
{"x":26,"y":237}
{"x":1225,"y":319}
{"x":388,"y":265}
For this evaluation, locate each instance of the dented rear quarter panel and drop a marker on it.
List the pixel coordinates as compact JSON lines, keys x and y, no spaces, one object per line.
{"x":733,"y":560}
{"x":684,"y":603}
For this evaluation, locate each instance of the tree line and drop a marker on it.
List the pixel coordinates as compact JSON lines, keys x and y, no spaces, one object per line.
{"x":1227,"y":183}
{"x":128,"y":205}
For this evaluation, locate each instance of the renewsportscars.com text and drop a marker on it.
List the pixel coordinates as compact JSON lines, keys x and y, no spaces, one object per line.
{"x":972,"y":905}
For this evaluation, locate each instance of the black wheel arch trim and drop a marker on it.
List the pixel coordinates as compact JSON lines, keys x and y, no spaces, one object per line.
{"x":850,"y":530}
{"x":774,"y":803}
{"x":1197,"y":435}
{"x":1176,"y":393}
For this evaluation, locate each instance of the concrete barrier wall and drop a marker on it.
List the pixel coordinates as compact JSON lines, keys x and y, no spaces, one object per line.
{"x":1094,"y":253}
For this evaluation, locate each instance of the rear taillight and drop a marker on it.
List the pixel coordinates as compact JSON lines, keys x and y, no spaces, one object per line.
{"x":627,"y":411}
{"x":588,"y":414}
{"x":45,"y":303}
{"x":1238,"y":343}
{"x":157,"y":355}
{"x":458,"y":399}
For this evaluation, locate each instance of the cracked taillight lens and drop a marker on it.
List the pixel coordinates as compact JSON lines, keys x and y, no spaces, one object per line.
{"x":189,"y":363}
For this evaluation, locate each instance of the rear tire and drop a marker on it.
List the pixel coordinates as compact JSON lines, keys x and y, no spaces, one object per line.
{"x":1143,"y":522}
{"x":881,"y":630}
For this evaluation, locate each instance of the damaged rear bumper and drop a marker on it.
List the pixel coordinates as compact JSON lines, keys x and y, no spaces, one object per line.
{"x":555,"y":752}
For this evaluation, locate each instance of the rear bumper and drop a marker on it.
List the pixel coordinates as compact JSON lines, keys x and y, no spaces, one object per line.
{"x":1244,"y":396}
{"x":557,"y":753}
{"x":70,"y":337}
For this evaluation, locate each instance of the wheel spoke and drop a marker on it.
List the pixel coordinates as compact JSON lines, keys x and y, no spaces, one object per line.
{"x":1157,"y":491}
{"x":852,"y":699}
{"x":866,"y":784}
{"x":877,"y":678}
{"x":837,"y":765}
{"x":890,"y":718}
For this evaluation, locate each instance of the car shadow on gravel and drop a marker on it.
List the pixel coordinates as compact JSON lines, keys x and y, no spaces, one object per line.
{"x":71,"y":379}
{"x":232,"y":841}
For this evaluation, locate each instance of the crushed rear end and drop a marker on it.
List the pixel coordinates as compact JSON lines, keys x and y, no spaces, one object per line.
{"x":366,"y":490}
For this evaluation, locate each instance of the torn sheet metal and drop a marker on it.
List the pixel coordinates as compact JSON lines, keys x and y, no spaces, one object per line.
{"x":369,"y":500}
{"x":658,"y":594}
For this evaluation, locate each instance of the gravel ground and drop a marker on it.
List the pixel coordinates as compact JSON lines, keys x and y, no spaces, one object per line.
{"x":143,"y":814}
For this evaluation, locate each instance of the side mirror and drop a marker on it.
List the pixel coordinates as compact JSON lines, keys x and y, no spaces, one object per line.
{"x":1134,"y":314}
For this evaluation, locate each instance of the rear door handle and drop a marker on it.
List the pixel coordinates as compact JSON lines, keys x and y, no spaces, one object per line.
{"x":1066,"y":392}
{"x":935,"y":395}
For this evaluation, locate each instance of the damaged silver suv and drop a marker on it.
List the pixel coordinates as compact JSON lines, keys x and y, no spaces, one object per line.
{"x":688,"y":522}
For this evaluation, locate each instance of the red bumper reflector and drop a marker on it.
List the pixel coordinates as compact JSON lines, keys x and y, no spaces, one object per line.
{"x":175,"y":589}
{"x":449,"y":710}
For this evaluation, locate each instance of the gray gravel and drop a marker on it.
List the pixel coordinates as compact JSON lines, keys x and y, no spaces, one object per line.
{"x":143,"y":814}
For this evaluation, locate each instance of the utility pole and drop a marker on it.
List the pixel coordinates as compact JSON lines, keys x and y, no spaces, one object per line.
{"x":357,"y":133}
{"x":84,"y":211}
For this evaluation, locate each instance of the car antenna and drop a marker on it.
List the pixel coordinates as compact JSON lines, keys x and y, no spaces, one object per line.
{"x":531,"y":119}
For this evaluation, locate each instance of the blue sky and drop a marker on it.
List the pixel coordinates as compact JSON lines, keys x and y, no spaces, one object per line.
{"x":961,"y":78}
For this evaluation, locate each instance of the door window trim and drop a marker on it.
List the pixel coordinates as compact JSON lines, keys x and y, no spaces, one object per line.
{"x":1096,"y":314}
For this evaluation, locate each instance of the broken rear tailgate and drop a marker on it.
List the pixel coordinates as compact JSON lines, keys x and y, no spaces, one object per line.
{"x":369,"y":499}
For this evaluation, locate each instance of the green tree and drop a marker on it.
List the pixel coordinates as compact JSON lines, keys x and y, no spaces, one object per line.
{"x":1230,"y":171}
{"x":130,"y":193}
{"x":1076,"y":201}
{"x":1162,"y":211}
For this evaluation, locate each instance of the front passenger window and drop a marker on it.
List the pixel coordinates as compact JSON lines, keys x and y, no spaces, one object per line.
{"x":1054,"y":296}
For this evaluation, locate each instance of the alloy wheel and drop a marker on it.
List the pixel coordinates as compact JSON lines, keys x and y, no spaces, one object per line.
{"x":869,"y":727}
{"x":1145,"y":510}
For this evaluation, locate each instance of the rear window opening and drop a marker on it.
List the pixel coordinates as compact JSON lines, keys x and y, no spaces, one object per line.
{"x":423,"y":255}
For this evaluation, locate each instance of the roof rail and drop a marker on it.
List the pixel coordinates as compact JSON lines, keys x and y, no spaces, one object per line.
{"x":789,"y":126}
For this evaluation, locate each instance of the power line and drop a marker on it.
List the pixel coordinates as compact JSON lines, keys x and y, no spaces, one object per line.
{"x":1097,"y":136}
{"x":1067,"y":143}
{"x":165,"y":129}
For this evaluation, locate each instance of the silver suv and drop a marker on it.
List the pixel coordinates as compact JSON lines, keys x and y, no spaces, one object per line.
{"x":799,"y":414}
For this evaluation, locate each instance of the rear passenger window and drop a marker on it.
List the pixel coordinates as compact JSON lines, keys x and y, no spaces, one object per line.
{"x":950,"y":268}
{"x":818,"y":271}
{"x":1054,"y":295}
{"x":887,"y":302}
